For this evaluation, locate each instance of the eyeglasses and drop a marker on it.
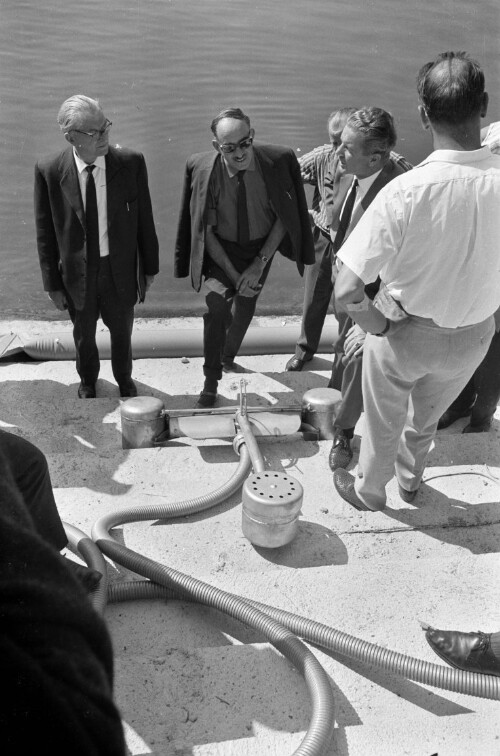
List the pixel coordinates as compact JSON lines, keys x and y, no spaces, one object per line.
{"x":244,"y":144}
{"x":96,"y":132}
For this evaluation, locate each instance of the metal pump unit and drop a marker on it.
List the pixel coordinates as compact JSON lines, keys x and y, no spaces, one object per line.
{"x":271,"y":499}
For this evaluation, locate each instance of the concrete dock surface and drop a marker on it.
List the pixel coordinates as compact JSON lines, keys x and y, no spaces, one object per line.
{"x":190,"y":680}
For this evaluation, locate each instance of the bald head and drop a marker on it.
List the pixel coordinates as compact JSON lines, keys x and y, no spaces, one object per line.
{"x":451,"y":88}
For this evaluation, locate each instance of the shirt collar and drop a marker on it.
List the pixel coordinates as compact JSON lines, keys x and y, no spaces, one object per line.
{"x":232,"y":173}
{"x":365,"y":183}
{"x":100,"y":162}
{"x":457,"y":156}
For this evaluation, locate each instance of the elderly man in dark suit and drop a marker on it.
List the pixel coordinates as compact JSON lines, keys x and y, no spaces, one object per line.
{"x":95,"y":233}
{"x":240,"y":204}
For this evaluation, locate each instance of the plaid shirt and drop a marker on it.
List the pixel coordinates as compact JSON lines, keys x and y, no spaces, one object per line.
{"x":314,"y":166}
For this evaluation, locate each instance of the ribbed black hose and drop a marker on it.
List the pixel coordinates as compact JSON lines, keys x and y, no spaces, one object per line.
{"x":426,"y":673}
{"x":319,"y":733}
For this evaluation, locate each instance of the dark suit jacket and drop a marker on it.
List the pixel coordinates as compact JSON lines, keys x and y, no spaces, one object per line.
{"x":281,"y":174}
{"x":337,"y":185}
{"x":60,"y":224}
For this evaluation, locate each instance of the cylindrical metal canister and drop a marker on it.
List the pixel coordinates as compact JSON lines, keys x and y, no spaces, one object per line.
{"x":142,"y":421}
{"x":319,"y":409}
{"x":271,"y":508}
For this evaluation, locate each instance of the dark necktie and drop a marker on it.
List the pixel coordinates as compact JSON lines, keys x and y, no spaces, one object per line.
{"x":345,"y":218}
{"x":242,"y":210}
{"x":92,"y":220}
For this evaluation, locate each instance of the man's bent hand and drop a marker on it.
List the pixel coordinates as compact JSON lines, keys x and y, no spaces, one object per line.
{"x":58,"y":298}
{"x":248,"y":282}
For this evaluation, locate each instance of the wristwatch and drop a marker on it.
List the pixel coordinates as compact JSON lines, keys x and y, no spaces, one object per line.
{"x":263,"y":258}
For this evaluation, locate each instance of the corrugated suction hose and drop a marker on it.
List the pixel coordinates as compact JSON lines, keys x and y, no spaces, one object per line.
{"x":277,"y":624}
{"x":320,"y":730}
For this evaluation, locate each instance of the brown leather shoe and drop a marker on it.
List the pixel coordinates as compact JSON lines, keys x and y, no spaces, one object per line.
{"x":86,"y":390}
{"x":344,"y":485}
{"x":341,"y":452}
{"x":295,"y":364}
{"x":468,"y":651}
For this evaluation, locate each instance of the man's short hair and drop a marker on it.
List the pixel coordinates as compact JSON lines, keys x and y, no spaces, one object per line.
{"x":377,"y":128}
{"x":74,"y":111}
{"x":451,"y":88}
{"x":340,"y":116}
{"x":235,"y":113}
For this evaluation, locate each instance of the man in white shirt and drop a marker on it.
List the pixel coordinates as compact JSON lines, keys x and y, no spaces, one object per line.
{"x":432,"y":235}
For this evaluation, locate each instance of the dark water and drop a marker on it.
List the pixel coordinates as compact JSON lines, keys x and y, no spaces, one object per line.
{"x":163,"y":68}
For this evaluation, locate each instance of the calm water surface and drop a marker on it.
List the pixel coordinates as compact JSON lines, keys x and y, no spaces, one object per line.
{"x":163,"y":68}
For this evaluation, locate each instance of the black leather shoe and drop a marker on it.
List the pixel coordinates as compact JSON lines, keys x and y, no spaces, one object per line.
{"x":483,"y":427}
{"x":341,"y":452}
{"x":452,"y":415}
{"x":295,"y":364}
{"x":406,"y":495}
{"x":206,"y":399}
{"x":128,"y":388}
{"x":86,"y":391}
{"x":229,"y":366}
{"x":468,"y":651}
{"x":89,"y":578}
{"x":344,"y":485}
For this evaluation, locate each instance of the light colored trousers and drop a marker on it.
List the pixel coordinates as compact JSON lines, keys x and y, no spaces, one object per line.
{"x":410,"y":378}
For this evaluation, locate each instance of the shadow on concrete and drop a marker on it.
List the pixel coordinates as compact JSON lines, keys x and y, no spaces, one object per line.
{"x":313,"y":546}
{"x":205,"y":689}
{"x":202,"y":685}
{"x":83,"y":449}
{"x":471,"y":526}
{"x":410,"y":691}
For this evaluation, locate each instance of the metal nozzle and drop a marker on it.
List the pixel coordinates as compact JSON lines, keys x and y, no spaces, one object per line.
{"x":243,"y":396}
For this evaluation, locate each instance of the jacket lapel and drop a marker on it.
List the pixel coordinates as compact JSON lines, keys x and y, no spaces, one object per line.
{"x":267,"y":169}
{"x":114,"y":195}
{"x":342,"y":184}
{"x":70,"y":185}
{"x":202,"y":177}
{"x":382,"y":179}
{"x":385,"y":175}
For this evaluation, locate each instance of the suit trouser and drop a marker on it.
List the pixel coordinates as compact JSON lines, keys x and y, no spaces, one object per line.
{"x":346,"y":378}
{"x":483,"y":389}
{"x":318,"y":290}
{"x":102,"y":298}
{"x":229,"y":314}
{"x":30,"y":471}
{"x":409,"y":378}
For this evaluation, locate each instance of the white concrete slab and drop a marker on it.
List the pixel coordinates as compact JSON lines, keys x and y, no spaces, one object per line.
{"x":190,"y":680}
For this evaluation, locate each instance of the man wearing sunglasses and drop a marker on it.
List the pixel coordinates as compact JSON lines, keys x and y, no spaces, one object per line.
{"x":240,"y":204}
{"x":96,"y":238}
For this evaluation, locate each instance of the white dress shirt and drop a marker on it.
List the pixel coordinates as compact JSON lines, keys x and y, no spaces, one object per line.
{"x":433,"y":236}
{"x":99,"y":174}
